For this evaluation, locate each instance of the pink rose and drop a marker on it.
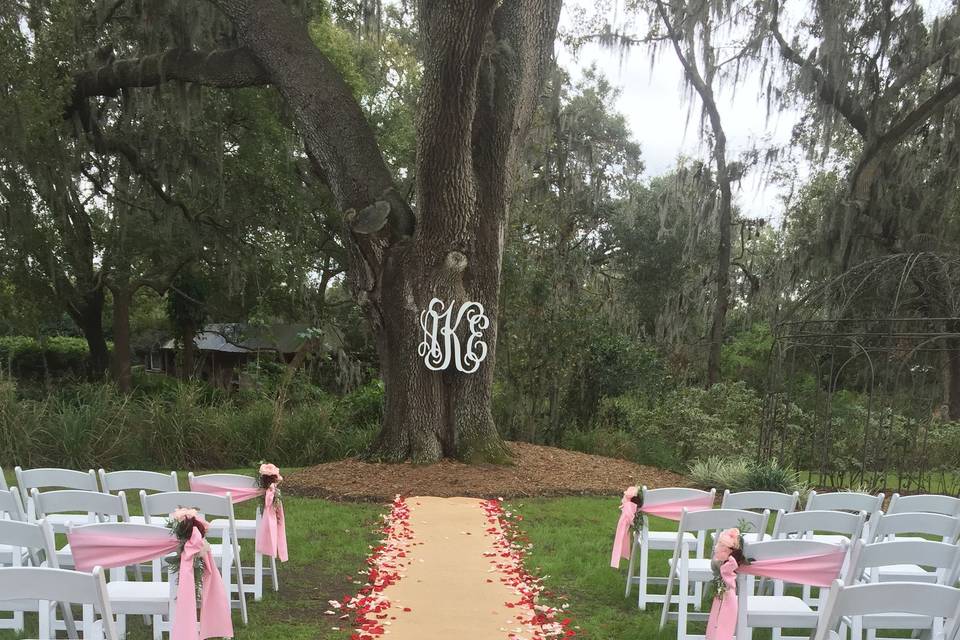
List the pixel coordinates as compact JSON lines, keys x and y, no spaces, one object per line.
{"x":182,"y":513}
{"x":631,"y":492}
{"x":267,"y":469}
{"x":729,"y":539}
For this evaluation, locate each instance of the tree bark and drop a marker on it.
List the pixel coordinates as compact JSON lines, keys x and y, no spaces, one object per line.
{"x":88,"y":316}
{"x":120,"y":369}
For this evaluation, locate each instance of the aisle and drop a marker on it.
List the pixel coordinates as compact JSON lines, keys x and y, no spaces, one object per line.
{"x":449,"y":586}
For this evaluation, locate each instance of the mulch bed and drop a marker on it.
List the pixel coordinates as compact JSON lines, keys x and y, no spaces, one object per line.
{"x":536,"y":471}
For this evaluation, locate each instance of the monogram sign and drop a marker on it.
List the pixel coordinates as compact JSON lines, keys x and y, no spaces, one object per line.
{"x":441,"y":347}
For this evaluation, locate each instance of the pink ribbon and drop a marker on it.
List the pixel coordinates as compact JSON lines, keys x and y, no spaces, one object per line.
{"x":819,"y":570}
{"x":104,"y":550}
{"x":272,"y":532}
{"x":669,"y":510}
{"x":237,"y":494}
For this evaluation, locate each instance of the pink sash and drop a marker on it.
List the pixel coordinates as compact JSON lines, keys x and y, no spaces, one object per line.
{"x":104,"y":550}
{"x":272,"y":532}
{"x":669,"y":510}
{"x":818,"y":570}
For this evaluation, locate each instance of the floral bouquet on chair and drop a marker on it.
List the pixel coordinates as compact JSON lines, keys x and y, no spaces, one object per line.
{"x":182,"y":523}
{"x":729,"y":545}
{"x":268,"y":475}
{"x":633,"y":495}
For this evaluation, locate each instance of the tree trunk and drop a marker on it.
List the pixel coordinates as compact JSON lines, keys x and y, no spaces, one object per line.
{"x":88,"y":316}
{"x":189,"y":354}
{"x":120,"y":369}
{"x":722,"y":303}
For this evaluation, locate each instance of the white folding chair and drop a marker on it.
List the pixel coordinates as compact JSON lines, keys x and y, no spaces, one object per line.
{"x":46,"y":585}
{"x":772,"y":501}
{"x":10,"y":509}
{"x":778,"y":611}
{"x":227,"y":551}
{"x":3,"y":481}
{"x":246,"y":529}
{"x":137,"y":481}
{"x":686,"y":571}
{"x":830,"y":527}
{"x":30,"y":544}
{"x":40,"y":479}
{"x":70,"y":507}
{"x":924,"y":503}
{"x":154,"y":598}
{"x":903,"y":561}
{"x":647,"y":540}
{"x":850,"y":501}
{"x":916,"y":527}
{"x":935,"y":608}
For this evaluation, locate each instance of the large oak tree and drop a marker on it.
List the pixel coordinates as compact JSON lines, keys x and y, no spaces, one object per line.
{"x":483,"y":63}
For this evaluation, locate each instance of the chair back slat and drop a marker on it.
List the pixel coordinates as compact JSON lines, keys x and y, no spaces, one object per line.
{"x":834,"y":522}
{"x":72,"y":501}
{"x":224,"y":480}
{"x":772,"y":501}
{"x":50,"y":478}
{"x":133,"y":480}
{"x":845,"y":501}
{"x":672,"y":494}
{"x":29,"y":536}
{"x":947,"y":528}
{"x":924,"y":503}
{"x":163,"y":504}
{"x":716,"y":519}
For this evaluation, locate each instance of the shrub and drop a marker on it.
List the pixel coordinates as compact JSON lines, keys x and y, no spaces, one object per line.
{"x":722,"y":473}
{"x":737,"y":474}
{"x":59,"y":356}
{"x":181,"y":425}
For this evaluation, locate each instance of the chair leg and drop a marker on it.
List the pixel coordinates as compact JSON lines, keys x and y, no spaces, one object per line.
{"x":633,"y":556}
{"x":683,"y":602}
{"x":642,"y":586}
{"x":239,"y":568}
{"x":258,"y":576}
{"x":157,"y":627}
{"x":273,"y":574}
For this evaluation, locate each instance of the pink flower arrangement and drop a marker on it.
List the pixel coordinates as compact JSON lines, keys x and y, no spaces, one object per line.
{"x":268,"y":469}
{"x":729,"y":545}
{"x":728,"y":542}
{"x":183,"y":513}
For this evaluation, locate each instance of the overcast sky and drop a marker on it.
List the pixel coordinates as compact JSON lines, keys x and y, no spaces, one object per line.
{"x":652,"y":100}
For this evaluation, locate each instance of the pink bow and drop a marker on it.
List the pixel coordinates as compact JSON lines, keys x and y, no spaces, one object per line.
{"x":272,"y":533}
{"x":669,"y":510}
{"x":818,"y":570}
{"x":109,"y":551}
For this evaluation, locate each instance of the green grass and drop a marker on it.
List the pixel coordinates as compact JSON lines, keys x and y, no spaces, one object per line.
{"x":572,"y":538}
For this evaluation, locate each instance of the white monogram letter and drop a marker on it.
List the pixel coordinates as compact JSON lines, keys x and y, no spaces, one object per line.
{"x":440,"y":347}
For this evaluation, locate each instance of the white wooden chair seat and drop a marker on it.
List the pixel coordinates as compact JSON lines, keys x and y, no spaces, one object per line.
{"x":780,"y":611}
{"x":698,"y":569}
{"x":246,"y":529}
{"x":893,"y":621}
{"x":905,"y":573}
{"x":667,"y":540}
{"x":150,"y":598}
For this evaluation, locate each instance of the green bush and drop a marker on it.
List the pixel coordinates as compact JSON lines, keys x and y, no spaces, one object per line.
{"x":58,"y":356}
{"x":738,"y":474}
{"x":179,"y":425}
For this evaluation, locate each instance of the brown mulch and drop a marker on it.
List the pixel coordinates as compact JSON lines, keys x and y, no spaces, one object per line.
{"x":536,"y":471}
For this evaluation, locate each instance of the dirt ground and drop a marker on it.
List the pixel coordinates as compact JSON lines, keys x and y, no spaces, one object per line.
{"x":537,"y":471}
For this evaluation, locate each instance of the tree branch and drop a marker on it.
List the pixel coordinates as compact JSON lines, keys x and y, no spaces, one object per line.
{"x":224,"y":68}
{"x":829,"y":91}
{"x":869,"y":164}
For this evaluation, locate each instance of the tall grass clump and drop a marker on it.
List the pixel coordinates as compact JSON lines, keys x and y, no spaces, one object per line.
{"x":180,"y":425}
{"x":738,"y":474}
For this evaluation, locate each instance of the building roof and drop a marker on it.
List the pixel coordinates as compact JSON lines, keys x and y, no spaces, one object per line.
{"x":240,"y":338}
